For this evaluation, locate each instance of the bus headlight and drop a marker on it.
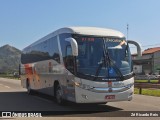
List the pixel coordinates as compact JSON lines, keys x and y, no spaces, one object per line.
{"x":77,"y":84}
{"x":83,"y":86}
{"x":87,"y":87}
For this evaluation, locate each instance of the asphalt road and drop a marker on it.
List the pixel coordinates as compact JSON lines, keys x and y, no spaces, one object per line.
{"x":14,"y":98}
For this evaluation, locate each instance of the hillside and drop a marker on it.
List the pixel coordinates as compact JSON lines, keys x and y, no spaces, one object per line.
{"x":9,"y":59}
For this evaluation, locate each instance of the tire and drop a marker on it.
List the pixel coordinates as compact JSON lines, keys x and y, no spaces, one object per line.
{"x":58,"y":95}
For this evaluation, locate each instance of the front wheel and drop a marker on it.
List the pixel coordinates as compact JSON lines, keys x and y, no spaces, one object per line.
{"x":58,"y":95}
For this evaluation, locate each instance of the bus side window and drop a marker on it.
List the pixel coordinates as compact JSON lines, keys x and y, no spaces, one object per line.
{"x":69,"y":59}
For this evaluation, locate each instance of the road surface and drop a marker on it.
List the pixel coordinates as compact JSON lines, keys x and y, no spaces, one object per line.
{"x":14,"y":98}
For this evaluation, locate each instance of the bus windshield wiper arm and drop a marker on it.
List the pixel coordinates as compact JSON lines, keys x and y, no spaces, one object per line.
{"x":98,"y":69}
{"x":112,"y":64}
{"x":107,"y":62}
{"x":117,"y":70}
{"x":103,"y":62}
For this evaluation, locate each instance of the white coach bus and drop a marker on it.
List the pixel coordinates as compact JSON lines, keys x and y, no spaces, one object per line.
{"x":80,"y":64}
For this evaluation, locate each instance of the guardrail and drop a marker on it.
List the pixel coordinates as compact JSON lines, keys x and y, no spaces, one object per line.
{"x":146,"y":85}
{"x":147,"y":77}
{"x":149,"y":82}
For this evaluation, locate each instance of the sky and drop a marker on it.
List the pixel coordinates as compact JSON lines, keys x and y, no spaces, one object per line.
{"x":22,"y":22}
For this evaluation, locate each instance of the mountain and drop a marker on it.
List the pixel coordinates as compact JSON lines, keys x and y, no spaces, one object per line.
{"x":9,"y":59}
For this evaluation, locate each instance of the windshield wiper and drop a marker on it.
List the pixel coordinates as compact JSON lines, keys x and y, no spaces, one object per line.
{"x":101,"y":63}
{"x":112,"y":64}
{"x":98,"y":70}
{"x":117,"y":70}
{"x":108,"y":62}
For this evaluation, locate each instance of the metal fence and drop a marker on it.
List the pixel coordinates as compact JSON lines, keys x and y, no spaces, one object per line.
{"x":147,"y":77}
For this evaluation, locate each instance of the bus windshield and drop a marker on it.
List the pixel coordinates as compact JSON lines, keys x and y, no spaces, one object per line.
{"x":103,"y":57}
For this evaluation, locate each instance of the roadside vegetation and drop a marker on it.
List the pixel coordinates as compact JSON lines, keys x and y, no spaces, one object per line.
{"x":146,"y":81}
{"x":10,"y":76}
{"x":150,"y":92}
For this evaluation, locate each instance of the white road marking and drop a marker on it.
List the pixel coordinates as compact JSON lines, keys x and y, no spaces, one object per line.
{"x":3,"y":79}
{"x":5,"y":86}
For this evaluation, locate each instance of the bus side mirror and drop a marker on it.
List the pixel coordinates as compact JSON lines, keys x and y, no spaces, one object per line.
{"x":74,"y":46}
{"x":139,"y":50}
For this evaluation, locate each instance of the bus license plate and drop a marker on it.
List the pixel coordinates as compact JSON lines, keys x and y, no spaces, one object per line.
{"x":108,"y":97}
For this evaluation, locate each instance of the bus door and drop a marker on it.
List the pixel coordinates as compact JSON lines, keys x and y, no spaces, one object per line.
{"x":70,"y":66}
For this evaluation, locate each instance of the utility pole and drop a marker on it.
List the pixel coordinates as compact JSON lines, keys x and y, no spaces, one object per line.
{"x":127,"y":30}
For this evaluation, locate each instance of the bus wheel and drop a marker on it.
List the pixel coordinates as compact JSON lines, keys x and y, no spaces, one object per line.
{"x":58,"y":95}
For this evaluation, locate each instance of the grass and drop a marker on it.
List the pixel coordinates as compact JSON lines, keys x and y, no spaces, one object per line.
{"x":150,"y":92}
{"x":146,"y":81}
{"x":8,"y":76}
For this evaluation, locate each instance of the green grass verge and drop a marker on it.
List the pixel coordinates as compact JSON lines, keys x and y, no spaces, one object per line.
{"x":8,"y":76}
{"x":150,"y":92}
{"x":146,"y":81}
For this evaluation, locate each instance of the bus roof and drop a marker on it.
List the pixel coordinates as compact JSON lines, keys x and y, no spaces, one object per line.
{"x":104,"y":32}
{"x":96,"y":31}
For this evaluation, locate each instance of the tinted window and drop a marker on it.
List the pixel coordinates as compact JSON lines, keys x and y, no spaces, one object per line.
{"x":43,"y":51}
{"x":53,"y":50}
{"x":106,"y":56}
{"x":64,"y":43}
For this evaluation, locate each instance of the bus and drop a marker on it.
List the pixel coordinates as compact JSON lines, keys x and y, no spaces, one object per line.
{"x":81,"y":65}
